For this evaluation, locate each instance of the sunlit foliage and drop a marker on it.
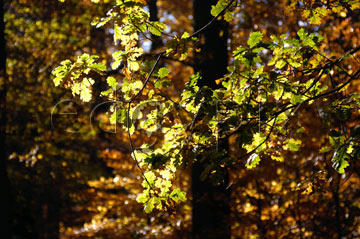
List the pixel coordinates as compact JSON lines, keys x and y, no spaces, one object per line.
{"x":288,"y":107}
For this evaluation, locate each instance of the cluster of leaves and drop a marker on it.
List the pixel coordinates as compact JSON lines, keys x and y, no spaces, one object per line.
{"x":130,"y":19}
{"x":264,"y":91}
{"x":179,"y":46}
{"x":267,"y":83}
{"x":74,"y":73}
{"x":315,"y":11}
{"x":51,"y":169}
{"x":222,"y":5}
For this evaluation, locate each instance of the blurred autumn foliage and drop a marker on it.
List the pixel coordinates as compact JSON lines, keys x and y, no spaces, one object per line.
{"x":70,"y":170}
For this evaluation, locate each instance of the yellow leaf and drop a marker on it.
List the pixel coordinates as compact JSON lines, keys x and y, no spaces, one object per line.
{"x":133,"y":66}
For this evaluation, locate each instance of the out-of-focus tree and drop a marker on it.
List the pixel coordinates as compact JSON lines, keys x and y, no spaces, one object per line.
{"x":48,"y":161}
{"x":5,"y":189}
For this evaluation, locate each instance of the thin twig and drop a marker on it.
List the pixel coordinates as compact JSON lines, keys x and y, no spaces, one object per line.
{"x":128,"y":116}
{"x":324,"y":94}
{"x":212,"y":20}
{"x":147,"y":78}
{"x":266,"y":139}
{"x":297,"y":105}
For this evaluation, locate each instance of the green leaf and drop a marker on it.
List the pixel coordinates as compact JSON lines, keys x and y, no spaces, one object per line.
{"x":149,"y":206}
{"x":292,"y":41}
{"x":163,"y":72}
{"x":294,"y":63}
{"x":228,"y":16}
{"x":302,"y":34}
{"x":83,"y":58}
{"x":117,"y":32}
{"x":113,"y":118}
{"x":259,"y":71}
{"x":158,"y":84}
{"x":162,"y":83}
{"x":143,"y":27}
{"x":325,"y":149}
{"x":254,"y":39}
{"x":294,"y":144}
{"x":98,"y":67}
{"x":315,"y":19}
{"x":238,"y":52}
{"x":309,"y":42}
{"x":220,"y":6}
{"x":155,"y":31}
{"x":300,"y":130}
{"x":185,"y":35}
{"x":257,"y":142}
{"x":137,"y":85}
{"x":116,"y":64}
{"x":178,"y":195}
{"x":83,"y":89}
{"x":57,"y":81}
{"x":295,"y":99}
{"x":85,"y":95}
{"x":133,"y":65}
{"x":156,"y":28}
{"x":111,"y":82}
{"x":119,"y":115}
{"x":149,"y":178}
{"x":339,"y":159}
{"x":106,"y":92}
{"x":142,"y":198}
{"x":280,"y":64}
{"x":335,"y":138}
{"x":75,"y":89}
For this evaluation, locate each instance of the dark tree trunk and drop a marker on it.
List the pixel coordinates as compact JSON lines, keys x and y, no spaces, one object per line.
{"x":156,"y":40}
{"x":212,"y":60}
{"x":50,"y":215}
{"x":5,"y":201}
{"x":211,"y":210}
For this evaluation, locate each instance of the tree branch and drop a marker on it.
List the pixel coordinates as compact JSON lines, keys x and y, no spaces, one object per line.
{"x":147,"y":78}
{"x":266,"y":139}
{"x":212,"y":20}
{"x":128,"y":116}
{"x":322,"y":95}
